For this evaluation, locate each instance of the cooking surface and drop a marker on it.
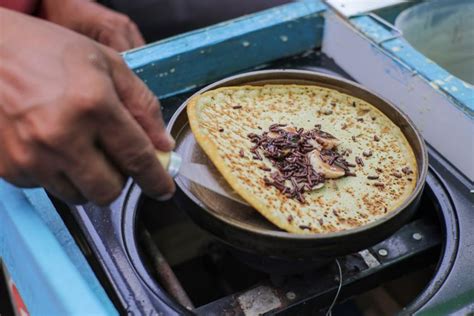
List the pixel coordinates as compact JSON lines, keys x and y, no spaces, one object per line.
{"x":215,"y":280}
{"x":340,"y":195}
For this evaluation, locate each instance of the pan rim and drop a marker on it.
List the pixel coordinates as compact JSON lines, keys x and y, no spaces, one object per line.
{"x":422,"y":174}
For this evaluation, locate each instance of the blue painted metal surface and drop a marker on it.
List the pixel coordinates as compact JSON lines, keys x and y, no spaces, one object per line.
{"x":51,"y":273}
{"x":181,"y":63}
{"x":460,"y":92}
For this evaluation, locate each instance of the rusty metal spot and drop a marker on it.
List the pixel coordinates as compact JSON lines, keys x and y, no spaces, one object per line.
{"x":258,"y":301}
{"x":369,"y":259}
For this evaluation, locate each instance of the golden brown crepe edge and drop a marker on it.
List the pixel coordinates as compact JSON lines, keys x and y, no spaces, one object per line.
{"x":212,"y":151}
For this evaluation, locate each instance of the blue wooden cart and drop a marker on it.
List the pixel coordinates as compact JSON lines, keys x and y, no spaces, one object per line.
{"x":47,"y":266}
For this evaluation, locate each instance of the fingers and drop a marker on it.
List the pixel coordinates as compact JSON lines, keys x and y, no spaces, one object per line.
{"x":95,"y":177}
{"x":114,"y":40}
{"x":128,"y":146}
{"x":42,"y":170}
{"x":141,"y":103}
{"x":61,"y":187}
{"x":21,"y":181}
{"x":118,"y":31}
{"x":134,"y":35}
{"x":10,"y":172}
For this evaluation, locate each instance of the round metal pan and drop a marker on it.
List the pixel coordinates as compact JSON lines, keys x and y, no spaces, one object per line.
{"x":243,"y":227}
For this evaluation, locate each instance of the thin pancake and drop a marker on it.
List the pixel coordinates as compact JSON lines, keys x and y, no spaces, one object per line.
{"x":221,"y":119}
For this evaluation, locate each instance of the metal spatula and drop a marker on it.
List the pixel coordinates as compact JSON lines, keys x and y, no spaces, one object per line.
{"x":195,"y":172}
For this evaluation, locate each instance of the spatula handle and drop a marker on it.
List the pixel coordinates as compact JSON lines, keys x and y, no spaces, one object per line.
{"x":171,"y":161}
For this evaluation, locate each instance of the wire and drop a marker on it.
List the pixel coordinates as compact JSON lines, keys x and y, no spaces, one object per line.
{"x":329,"y":312}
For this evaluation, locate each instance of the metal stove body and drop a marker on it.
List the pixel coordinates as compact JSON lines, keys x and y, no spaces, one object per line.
{"x":106,"y":261}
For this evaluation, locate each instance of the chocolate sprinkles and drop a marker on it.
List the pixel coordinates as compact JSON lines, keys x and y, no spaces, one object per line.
{"x":327,"y":112}
{"x":379,"y":185}
{"x":287,"y":149}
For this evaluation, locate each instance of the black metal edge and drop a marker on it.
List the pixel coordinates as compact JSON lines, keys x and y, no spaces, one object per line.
{"x":102,"y":231}
{"x":130,"y":238}
{"x":443,"y":208}
{"x":445,"y":213}
{"x":69,"y":217}
{"x":307,"y":298}
{"x":450,"y":228}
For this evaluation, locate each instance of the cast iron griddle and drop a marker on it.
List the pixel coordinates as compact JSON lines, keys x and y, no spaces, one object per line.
{"x":246,"y":229}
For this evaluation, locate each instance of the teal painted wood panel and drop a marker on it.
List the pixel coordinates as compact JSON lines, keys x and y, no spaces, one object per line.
{"x":460,"y":92}
{"x":49,"y":270}
{"x":460,"y":305}
{"x":184,"y":62}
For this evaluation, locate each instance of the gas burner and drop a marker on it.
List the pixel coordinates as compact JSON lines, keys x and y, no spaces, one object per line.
{"x":235,"y":276}
{"x":151,"y":258}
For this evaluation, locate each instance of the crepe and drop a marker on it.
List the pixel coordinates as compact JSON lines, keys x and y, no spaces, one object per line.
{"x":222,"y":119}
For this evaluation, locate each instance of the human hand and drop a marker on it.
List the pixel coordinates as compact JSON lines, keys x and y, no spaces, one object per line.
{"x":73,"y":118}
{"x":93,"y":20}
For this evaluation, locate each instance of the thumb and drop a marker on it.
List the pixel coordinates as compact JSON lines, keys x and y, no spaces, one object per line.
{"x":140,"y":102}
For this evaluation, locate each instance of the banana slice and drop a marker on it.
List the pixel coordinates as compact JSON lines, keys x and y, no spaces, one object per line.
{"x":327,"y":140}
{"x":329,"y":171}
{"x":289,"y":129}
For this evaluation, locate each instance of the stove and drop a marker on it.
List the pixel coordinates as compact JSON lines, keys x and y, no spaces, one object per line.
{"x":151,"y":258}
